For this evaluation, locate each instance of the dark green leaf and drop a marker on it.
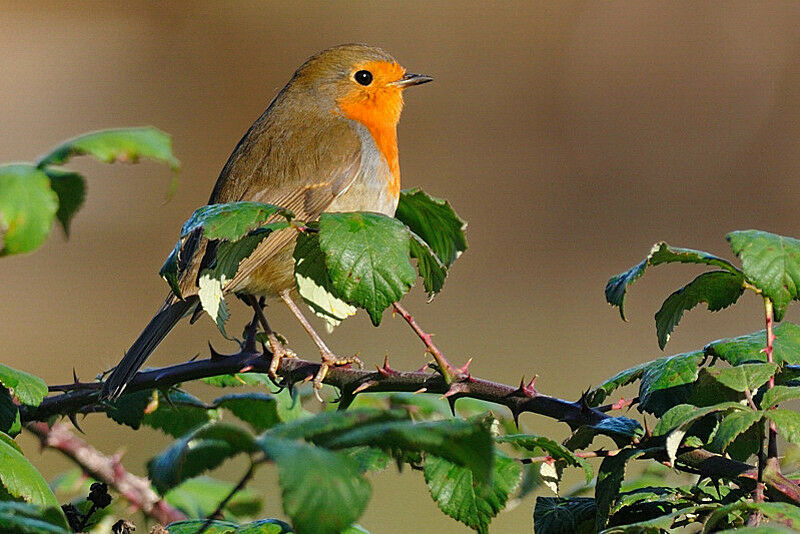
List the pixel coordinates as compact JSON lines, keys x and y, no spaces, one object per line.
{"x":779,"y":394}
{"x":27,"y":208}
{"x":718,"y":289}
{"x":465,"y":443}
{"x":430,"y":267}
{"x":558,"y":452}
{"x":9,"y":414}
{"x":785,"y":513}
{"x":325,"y":426}
{"x":617,"y":286}
{"x":367,"y":256}
{"x":557,"y":515}
{"x":601,"y":392}
{"x":623,"y":430}
{"x":22,"y":481}
{"x":609,"y":481}
{"x":241,"y":379}
{"x":750,"y":347}
{"x":771,"y":263}
{"x":435,"y":222}
{"x":260,"y":410}
{"x":788,"y":423}
{"x":170,"y":270}
{"x":668,"y":381}
{"x":743,"y":377}
{"x":193,"y":526}
{"x":456,"y":494}
{"x":108,"y":146}
{"x":197,"y":452}
{"x":27,"y":388}
{"x":732,"y":426}
{"x":682,"y":415}
{"x":25,"y":518}
{"x":231,"y":253}
{"x":323,"y":491}
{"x":71,"y":190}
{"x":660,"y":524}
{"x":234,"y":220}
{"x":199,"y":498}
{"x":174,"y":416}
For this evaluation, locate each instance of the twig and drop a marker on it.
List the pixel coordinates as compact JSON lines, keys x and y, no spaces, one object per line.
{"x":108,"y":469}
{"x":602,"y":453}
{"x":239,"y":487}
{"x":772,"y":446}
{"x":446,"y":368}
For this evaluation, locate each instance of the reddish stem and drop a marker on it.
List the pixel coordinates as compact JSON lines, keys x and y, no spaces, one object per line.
{"x":448,"y":371}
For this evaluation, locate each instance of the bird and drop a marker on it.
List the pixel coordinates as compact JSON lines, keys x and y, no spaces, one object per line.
{"x":326,"y":143}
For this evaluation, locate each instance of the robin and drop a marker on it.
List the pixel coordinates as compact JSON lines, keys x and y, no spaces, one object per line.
{"x":327,"y":142}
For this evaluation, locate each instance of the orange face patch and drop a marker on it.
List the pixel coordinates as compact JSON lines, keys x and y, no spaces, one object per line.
{"x":377,"y":106}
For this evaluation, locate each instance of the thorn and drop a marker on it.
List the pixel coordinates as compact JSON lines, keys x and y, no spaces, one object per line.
{"x":647,"y":431}
{"x":424,"y":368}
{"x":464,"y":369}
{"x":515,"y":414}
{"x":195,"y":357}
{"x":420,"y":390}
{"x":75,"y":376}
{"x":452,"y":402}
{"x":74,"y":421}
{"x":621,"y":403}
{"x":386,"y":370}
{"x":246,"y":368}
{"x":165,"y":394}
{"x":364,"y":386}
{"x":527,"y":390}
{"x":456,"y":388}
{"x":214,"y":354}
{"x":584,"y":400}
{"x":308,"y":378}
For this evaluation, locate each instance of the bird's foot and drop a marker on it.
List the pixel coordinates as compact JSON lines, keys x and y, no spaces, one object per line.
{"x":331,"y":360}
{"x":279,"y":351}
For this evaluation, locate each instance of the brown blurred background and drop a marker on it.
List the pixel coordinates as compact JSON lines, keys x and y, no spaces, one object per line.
{"x":571,"y":136}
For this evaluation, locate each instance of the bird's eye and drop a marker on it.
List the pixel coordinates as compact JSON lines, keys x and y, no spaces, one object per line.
{"x":364,"y":77}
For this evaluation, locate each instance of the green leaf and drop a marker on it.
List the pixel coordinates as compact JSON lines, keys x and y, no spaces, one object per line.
{"x":27,"y":388}
{"x":23,"y":482}
{"x":433,"y":220}
{"x":788,"y":423}
{"x":9,"y":414}
{"x":682,"y":415}
{"x":70,"y":187}
{"x":197,"y":452}
{"x":785,"y":513}
{"x":367,"y":256}
{"x":743,"y":377}
{"x":623,"y":378}
{"x":668,"y":381}
{"x":231,"y":253}
{"x":313,"y":282}
{"x":617,"y":286}
{"x":240,"y":379}
{"x":199,"y":497}
{"x":609,"y":481}
{"x":323,"y":491}
{"x":27,"y":208}
{"x":779,"y":394}
{"x":456,"y":494}
{"x":25,"y":518}
{"x":662,"y":523}
{"x":465,"y":443}
{"x":771,"y":263}
{"x":732,"y":426}
{"x":174,"y":416}
{"x":718,"y":289}
{"x":750,"y":347}
{"x":124,"y":144}
{"x":623,"y":430}
{"x":323,"y":427}
{"x":558,"y":452}
{"x":259,"y":410}
{"x":558,"y":515}
{"x":234,"y":220}
{"x":193,"y":526}
{"x":430,"y":267}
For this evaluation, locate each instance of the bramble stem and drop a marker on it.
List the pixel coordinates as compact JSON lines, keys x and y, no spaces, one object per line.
{"x":445,"y":367}
{"x":772,"y":447}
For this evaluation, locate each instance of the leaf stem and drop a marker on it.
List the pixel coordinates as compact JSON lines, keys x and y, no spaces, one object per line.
{"x":449,"y":372}
{"x":221,"y":506}
{"x":769,"y":350}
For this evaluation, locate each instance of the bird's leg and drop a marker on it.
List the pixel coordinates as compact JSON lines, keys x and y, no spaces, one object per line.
{"x":275,"y":345}
{"x":329,"y":359}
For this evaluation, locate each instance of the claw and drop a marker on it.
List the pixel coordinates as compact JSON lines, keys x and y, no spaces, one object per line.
{"x":278,"y":353}
{"x":330,"y":360}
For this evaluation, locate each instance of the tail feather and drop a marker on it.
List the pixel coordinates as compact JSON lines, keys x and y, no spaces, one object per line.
{"x":155,"y":331}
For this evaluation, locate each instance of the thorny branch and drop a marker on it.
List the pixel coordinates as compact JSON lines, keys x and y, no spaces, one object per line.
{"x":136,"y":490}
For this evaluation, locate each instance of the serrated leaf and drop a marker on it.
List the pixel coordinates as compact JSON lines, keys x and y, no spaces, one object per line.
{"x":323,"y":427}
{"x":779,"y":394}
{"x":70,"y":187}
{"x":232,"y":221}
{"x":212,"y":298}
{"x":27,"y":388}
{"x":259,"y":410}
{"x":314,"y":284}
{"x":367,"y":257}
{"x":661,"y":523}
{"x":743,"y":377}
{"x":430,"y":267}
{"x":22,"y":481}
{"x":465,"y":443}
{"x":683,"y":415}
{"x":123,"y":144}
{"x":668,"y":381}
{"x":623,"y":430}
{"x":557,"y":515}
{"x":623,"y":378}
{"x":197,"y":452}
{"x":174,"y":416}
{"x":230,"y":254}
{"x":323,"y":491}
{"x":193,"y":526}
{"x":785,"y":513}
{"x":27,"y":208}
{"x":200,"y":496}
{"x":609,"y":481}
{"x":9,"y":414}
{"x":433,"y":220}
{"x":25,"y":518}
{"x":732,"y":426}
{"x":661,"y":253}
{"x":788,"y":423}
{"x":456,"y":494}
{"x":718,"y":289}
{"x":750,"y":347}
{"x":239,"y":379}
{"x":558,"y":452}
{"x":771,"y":263}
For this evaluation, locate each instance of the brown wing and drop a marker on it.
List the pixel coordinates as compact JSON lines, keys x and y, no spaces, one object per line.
{"x":302,"y":168}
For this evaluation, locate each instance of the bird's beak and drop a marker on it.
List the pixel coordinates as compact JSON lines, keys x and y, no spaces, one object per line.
{"x":411,"y":79}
